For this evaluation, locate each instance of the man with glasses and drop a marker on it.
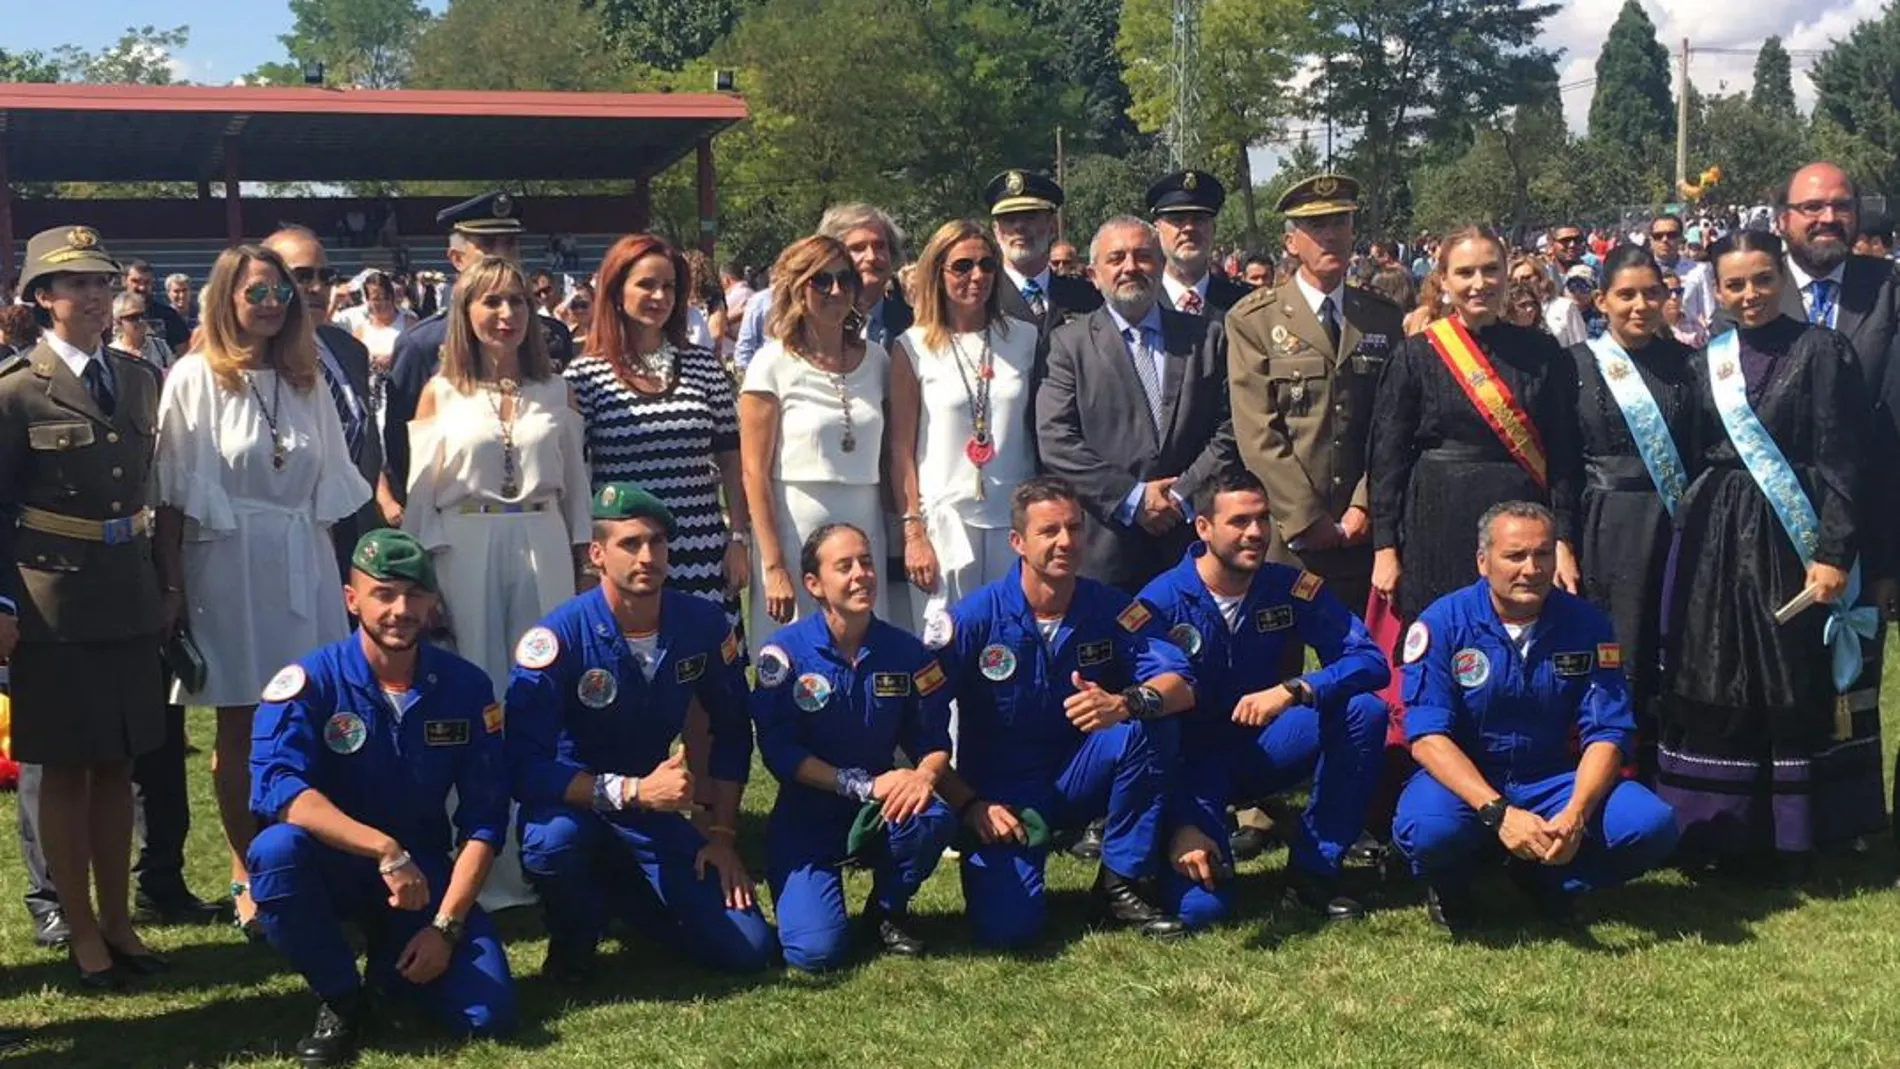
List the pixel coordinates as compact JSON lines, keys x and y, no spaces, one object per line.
{"x":546,"y":290}
{"x":1184,"y":205}
{"x":1666,"y":242}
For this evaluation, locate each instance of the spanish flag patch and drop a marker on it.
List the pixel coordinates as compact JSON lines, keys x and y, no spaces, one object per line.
{"x":1134,"y":617}
{"x":1306,"y":588}
{"x":1609,"y":655}
{"x":492,"y":718}
{"x":729,"y":649}
{"x":929,"y":680}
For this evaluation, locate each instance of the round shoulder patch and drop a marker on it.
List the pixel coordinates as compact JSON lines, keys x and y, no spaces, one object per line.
{"x":1418,"y":639}
{"x":286,"y":684}
{"x":1187,"y":638}
{"x":1471,"y":667}
{"x":537,"y":648}
{"x":775,"y":666}
{"x":939,"y":629}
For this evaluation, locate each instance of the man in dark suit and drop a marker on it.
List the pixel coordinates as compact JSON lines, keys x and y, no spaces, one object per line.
{"x":344,"y":364}
{"x":480,"y":226}
{"x":1133,"y":410}
{"x":1183,"y":205}
{"x":1023,"y":209}
{"x":142,"y":280}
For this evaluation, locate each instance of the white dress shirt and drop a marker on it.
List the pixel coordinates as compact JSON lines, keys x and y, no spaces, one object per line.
{"x":1314,"y":297}
{"x":1805,"y":283}
{"x":76,"y":359}
{"x":1019,"y":281}
{"x":1175,"y":290}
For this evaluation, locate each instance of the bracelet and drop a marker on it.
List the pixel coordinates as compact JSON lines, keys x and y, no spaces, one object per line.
{"x":721,"y":829}
{"x":738,"y":538}
{"x":394,"y":865}
{"x":912,"y":517}
{"x":852,"y":783}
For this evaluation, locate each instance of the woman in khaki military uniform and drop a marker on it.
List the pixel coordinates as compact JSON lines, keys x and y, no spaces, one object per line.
{"x":78,"y":590}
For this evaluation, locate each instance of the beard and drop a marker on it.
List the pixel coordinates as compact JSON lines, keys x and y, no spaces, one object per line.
{"x":1131,"y":300}
{"x":1032,"y":250}
{"x":1820,"y":254}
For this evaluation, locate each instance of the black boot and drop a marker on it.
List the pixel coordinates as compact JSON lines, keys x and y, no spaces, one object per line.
{"x":1089,"y":846}
{"x":1119,"y":901}
{"x":1547,"y":895}
{"x":1323,"y":896}
{"x":570,"y":964}
{"x":1450,"y":908}
{"x":893,"y":933}
{"x":332,"y":1040}
{"x":1247,"y":842}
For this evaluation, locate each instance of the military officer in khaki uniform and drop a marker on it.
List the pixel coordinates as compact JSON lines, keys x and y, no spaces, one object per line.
{"x":78,"y":423}
{"x":1304,"y":360}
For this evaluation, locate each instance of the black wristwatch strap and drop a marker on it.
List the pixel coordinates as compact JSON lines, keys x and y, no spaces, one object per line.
{"x":1301,"y":690}
{"x":1491,"y":815}
{"x":1144,"y":702}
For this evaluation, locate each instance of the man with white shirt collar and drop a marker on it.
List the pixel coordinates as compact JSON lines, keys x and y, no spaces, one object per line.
{"x":344,"y":362}
{"x":876,"y":247}
{"x":1666,"y":241}
{"x":1023,"y":208}
{"x":1184,"y":205}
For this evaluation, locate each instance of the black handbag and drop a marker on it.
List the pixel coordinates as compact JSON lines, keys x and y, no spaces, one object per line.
{"x":185,"y":659}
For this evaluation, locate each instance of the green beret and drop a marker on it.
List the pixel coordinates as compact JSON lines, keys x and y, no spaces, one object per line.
{"x":387,"y":553}
{"x":1035,"y":829}
{"x":629,"y":501}
{"x":869,"y":835}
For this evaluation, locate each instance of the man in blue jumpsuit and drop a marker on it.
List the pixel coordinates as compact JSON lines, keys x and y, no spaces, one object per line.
{"x":1500,"y":677}
{"x":1251,"y":734}
{"x":599,"y":694}
{"x":839,"y":692}
{"x":1061,"y":684}
{"x":353,"y":754}
{"x":487,"y":225}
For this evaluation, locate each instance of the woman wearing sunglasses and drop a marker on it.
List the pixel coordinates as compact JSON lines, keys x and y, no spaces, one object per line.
{"x":1676,"y":321}
{"x":252,"y":470}
{"x":961,"y":420}
{"x":811,"y":425}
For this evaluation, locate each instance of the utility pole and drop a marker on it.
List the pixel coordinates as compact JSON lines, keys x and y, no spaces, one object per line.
{"x":1062,"y":178}
{"x":1183,"y":133}
{"x":1682,"y":117}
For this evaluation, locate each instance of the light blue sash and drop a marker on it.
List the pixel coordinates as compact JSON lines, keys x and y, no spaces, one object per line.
{"x":1846,"y":624}
{"x":1645,"y":419}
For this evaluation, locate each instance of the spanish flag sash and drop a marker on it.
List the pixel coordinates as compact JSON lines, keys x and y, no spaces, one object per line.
{"x":1489,"y":395}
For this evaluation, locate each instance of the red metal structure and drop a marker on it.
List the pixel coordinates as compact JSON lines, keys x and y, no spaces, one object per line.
{"x":233,"y":134}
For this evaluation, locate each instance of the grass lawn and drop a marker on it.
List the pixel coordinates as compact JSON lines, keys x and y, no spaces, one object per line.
{"x":1666,"y":973}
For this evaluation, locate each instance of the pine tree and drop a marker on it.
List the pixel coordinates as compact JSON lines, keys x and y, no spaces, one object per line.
{"x":1632,"y":108}
{"x":1774,"y":81}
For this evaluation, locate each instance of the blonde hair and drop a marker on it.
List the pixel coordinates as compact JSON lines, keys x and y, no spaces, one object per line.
{"x":292,"y":352}
{"x":802,"y":261}
{"x":930,"y":296}
{"x":462,"y":350}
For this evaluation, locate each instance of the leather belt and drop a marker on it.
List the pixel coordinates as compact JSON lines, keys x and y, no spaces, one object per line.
{"x":111,"y":532}
{"x":491,"y":508}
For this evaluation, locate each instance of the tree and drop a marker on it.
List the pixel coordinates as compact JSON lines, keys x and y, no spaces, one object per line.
{"x":1247,"y":57}
{"x":1084,"y":55}
{"x":1406,"y":72}
{"x":1857,"y":102}
{"x":366,"y":43}
{"x":1756,"y":149}
{"x":667,"y":34}
{"x":1774,"y":81}
{"x":142,"y":56}
{"x":1099,"y":187}
{"x":1632,"y":108}
{"x":27,"y":66}
{"x":518,"y":45}
{"x":1516,"y":172}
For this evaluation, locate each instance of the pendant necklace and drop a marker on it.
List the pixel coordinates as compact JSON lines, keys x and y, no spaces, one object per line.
{"x":279,"y":444}
{"x":849,"y":443}
{"x":981,"y":448}
{"x":660,"y":364}
{"x":510,"y":471}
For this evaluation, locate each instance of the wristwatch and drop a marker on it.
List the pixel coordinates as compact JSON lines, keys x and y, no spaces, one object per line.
{"x":740,"y":538}
{"x":450,"y":928}
{"x":1144,"y":702}
{"x":1301,"y":690}
{"x":1491,"y":814}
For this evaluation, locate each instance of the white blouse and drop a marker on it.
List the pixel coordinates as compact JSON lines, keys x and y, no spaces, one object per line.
{"x":946,"y":476}
{"x":458,"y":458}
{"x":811,"y":415}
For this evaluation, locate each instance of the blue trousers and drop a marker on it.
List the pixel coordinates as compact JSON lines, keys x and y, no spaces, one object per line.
{"x":1119,"y":772}
{"x":641,"y":867}
{"x":303,"y":889}
{"x":1632,"y":832}
{"x":1340,"y":748}
{"x":804,"y":864}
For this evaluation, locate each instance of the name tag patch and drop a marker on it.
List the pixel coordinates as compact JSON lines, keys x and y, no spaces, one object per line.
{"x":445,"y":732}
{"x":1572,"y":665}
{"x":691,"y":669}
{"x":1278,"y":618}
{"x":1090,"y":653}
{"x":890,"y":685}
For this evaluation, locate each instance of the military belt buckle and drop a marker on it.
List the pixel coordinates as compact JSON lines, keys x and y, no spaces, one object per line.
{"x":117,"y":532}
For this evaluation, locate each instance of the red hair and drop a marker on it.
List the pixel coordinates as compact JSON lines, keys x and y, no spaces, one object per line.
{"x":609,"y":339}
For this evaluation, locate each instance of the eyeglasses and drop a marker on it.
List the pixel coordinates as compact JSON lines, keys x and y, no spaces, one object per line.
{"x":304,"y":276}
{"x":1813,"y":208}
{"x":964,"y":265}
{"x":1664,"y":235}
{"x":260,"y":292}
{"x":829,"y":282}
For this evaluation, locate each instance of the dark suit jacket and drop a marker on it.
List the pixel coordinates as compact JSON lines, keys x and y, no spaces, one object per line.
{"x":1222,"y":295}
{"x":354,"y":359}
{"x":1093,"y":428}
{"x":1067,"y":299}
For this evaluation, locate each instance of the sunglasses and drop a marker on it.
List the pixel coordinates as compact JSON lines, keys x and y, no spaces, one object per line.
{"x":260,"y":292}
{"x":1675,"y":291}
{"x":1570,"y":239}
{"x":134,"y":317}
{"x":304,"y":276}
{"x":964,"y":265}
{"x":1665,"y":235}
{"x":578,"y":306}
{"x":829,"y":282}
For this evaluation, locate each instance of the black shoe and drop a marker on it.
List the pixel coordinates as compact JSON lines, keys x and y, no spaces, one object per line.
{"x":138,"y":964}
{"x":332,"y":1040}
{"x":1089,"y":846}
{"x":1366,"y":850}
{"x":1247,"y":843}
{"x":109,"y":980}
{"x":1322,"y":895}
{"x":179,"y":909}
{"x":571,"y":965}
{"x":892,"y":935}
{"x":1547,"y":896}
{"x":1450,"y":910}
{"x":50,"y":930}
{"x":1119,"y":901}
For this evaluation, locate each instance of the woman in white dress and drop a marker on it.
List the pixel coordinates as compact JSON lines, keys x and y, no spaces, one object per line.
{"x":811,"y":425}
{"x":252,"y":471}
{"x":961,"y":420}
{"x":498,"y":487}
{"x":382,"y":321}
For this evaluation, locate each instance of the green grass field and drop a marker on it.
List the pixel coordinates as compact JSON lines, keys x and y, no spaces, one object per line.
{"x":1666,"y":973}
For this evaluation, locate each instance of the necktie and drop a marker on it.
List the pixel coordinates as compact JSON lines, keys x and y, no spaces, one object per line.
{"x":1146,"y":372}
{"x":94,"y":378}
{"x":1032,"y":295}
{"x":352,"y":424}
{"x":1329,"y":322}
{"x":1190,"y":303}
{"x":1821,"y":302}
